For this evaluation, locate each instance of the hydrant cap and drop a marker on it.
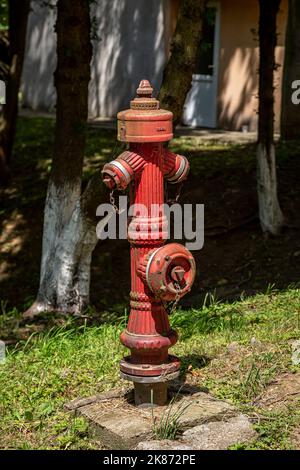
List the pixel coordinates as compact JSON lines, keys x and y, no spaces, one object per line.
{"x":169,"y":271}
{"x":145,"y":121}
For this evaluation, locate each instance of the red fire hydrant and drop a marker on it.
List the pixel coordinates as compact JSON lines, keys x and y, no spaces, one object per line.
{"x":159,"y":273}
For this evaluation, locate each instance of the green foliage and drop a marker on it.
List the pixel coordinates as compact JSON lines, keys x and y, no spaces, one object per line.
{"x":3,"y":14}
{"x":274,"y":429}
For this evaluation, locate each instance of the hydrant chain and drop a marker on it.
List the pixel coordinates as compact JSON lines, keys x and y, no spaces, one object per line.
{"x":113,"y":202}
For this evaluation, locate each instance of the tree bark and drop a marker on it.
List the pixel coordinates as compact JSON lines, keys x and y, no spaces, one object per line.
{"x":18,"y":18}
{"x":177,"y":76}
{"x":4,"y":55}
{"x":290,"y":113}
{"x":69,"y":235}
{"x":271,"y":218}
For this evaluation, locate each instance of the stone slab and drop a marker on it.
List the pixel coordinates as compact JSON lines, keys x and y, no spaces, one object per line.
{"x":220,"y":435}
{"x":121,"y":425}
{"x":202,"y":408}
{"x":216,"y":435}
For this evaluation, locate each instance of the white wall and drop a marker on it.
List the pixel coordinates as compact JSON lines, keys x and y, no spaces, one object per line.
{"x":130,"y":47}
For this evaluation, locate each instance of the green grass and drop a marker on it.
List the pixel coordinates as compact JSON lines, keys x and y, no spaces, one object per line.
{"x":50,"y":369}
{"x":168,"y":425}
{"x":46,"y":371}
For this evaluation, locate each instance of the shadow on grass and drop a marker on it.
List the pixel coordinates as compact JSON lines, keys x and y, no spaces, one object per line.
{"x":193,"y":361}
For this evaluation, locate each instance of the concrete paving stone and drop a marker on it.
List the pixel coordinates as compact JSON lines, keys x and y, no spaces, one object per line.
{"x":220,"y":435}
{"x":121,"y":425}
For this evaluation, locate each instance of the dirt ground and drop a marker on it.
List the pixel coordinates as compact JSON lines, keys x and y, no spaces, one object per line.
{"x":281,"y":393}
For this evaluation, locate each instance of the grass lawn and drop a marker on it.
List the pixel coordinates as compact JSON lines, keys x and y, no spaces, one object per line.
{"x":234,"y":349}
{"x":239,"y":347}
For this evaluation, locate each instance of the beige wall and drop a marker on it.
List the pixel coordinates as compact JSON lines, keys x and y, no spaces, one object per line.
{"x":238,"y":69}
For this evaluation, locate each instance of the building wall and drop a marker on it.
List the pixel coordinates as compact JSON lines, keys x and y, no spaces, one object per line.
{"x":130,"y":46}
{"x":239,"y":62}
{"x":133,"y":43}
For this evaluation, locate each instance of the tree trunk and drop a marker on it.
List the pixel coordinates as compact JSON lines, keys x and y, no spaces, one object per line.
{"x":271,"y":218}
{"x":69,"y":235}
{"x":18,"y":18}
{"x":4,"y":55}
{"x":177,"y":77}
{"x":290,"y":113}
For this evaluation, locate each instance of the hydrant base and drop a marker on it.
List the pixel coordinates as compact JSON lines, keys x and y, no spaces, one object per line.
{"x":147,"y":395}
{"x":149,"y":391}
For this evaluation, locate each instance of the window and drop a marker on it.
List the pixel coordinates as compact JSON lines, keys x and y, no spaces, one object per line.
{"x":205,"y":58}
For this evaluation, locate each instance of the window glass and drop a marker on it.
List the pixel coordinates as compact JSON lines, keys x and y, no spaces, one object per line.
{"x":205,"y":57}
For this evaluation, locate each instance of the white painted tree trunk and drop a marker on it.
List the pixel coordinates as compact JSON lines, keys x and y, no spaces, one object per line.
{"x":270,"y":215}
{"x":68,"y":242}
{"x":69,"y":236}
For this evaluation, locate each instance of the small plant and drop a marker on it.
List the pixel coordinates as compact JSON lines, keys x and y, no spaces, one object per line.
{"x":262,"y":369}
{"x":167,"y":426}
{"x":253,"y":383}
{"x":270,"y":290}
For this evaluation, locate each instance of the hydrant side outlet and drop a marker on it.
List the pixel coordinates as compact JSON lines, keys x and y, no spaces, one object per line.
{"x":159,"y":272}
